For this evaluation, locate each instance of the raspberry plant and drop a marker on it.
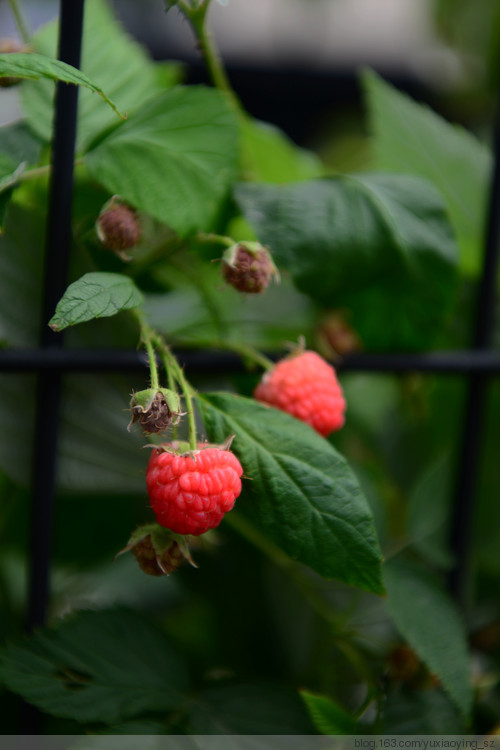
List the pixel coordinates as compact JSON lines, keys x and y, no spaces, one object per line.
{"x":318,"y":604}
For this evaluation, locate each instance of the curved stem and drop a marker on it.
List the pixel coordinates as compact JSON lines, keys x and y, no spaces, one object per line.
{"x":197,"y":18}
{"x":246,"y":351}
{"x":152,"y":340}
{"x":32,"y":174}
{"x":172,"y":366}
{"x":215,"y":238}
{"x":20,"y":21}
{"x":147,"y":338}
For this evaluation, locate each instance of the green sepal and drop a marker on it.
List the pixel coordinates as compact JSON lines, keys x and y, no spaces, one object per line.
{"x":161,"y":539}
{"x":145,"y":398}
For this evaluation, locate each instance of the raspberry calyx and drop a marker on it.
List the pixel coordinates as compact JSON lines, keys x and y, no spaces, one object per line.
{"x":155,"y":409}
{"x":248,"y":267}
{"x":158,"y":551}
{"x":190,"y":492}
{"x":305,"y":386}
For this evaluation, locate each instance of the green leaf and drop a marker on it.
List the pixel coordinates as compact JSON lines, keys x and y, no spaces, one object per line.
{"x":18,"y":148}
{"x":96,"y":666}
{"x":34,"y":66}
{"x":95,"y":295}
{"x":327,"y":716}
{"x":421,"y":712}
{"x":377,"y":245}
{"x":19,"y":143}
{"x":175,"y":159}
{"x":429,"y":513}
{"x":9,"y":172}
{"x":301,"y":491}
{"x":248,"y":709}
{"x":110,"y":57}
{"x":21,"y":254}
{"x":427,"y":618}
{"x":411,"y":138}
{"x":270,"y":156}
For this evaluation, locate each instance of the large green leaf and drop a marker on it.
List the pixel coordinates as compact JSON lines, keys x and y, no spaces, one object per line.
{"x":429,"y":513}
{"x":378,"y":245}
{"x":175,"y":159}
{"x":34,"y":66}
{"x":95,"y":295}
{"x":411,"y":138}
{"x":248,"y":709}
{"x":19,"y":143}
{"x":421,"y":712}
{"x":96,"y":666}
{"x":427,"y":618}
{"x":301,"y":491}
{"x":270,"y":156}
{"x":109,"y":57}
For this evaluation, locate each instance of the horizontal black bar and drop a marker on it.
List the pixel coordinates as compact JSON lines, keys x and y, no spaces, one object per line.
{"x":210,"y":361}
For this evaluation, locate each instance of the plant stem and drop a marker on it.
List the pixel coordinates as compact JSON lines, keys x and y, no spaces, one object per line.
{"x":32,"y":174}
{"x":172,"y":366}
{"x":152,"y":339}
{"x":197,"y":18}
{"x":215,"y":238}
{"x":147,"y":338}
{"x":20,"y":21}
{"x":247,"y":352}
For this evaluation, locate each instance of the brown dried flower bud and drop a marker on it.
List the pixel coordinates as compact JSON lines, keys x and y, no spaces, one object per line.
{"x":248,"y":267}
{"x":158,"y":551}
{"x":154,"y":410}
{"x":118,"y":227}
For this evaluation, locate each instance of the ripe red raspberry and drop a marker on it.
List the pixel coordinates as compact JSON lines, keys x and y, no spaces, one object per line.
{"x":305,"y":386}
{"x":191,"y":493}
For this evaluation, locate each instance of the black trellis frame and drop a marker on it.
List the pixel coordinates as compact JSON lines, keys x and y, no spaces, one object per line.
{"x":50,"y":361}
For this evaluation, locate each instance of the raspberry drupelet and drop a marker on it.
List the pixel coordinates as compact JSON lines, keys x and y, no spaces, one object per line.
{"x":305,"y":386}
{"x":190,"y":493}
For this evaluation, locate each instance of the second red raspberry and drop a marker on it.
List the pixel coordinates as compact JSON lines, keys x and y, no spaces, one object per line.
{"x":190,"y":494}
{"x":305,"y":386}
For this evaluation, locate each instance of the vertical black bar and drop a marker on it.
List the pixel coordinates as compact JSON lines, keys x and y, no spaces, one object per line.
{"x":470,"y":449}
{"x":58,"y":239}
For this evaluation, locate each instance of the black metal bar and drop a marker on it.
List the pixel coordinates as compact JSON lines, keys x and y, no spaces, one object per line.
{"x":58,"y":239}
{"x":115,"y":360}
{"x":461,"y":526}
